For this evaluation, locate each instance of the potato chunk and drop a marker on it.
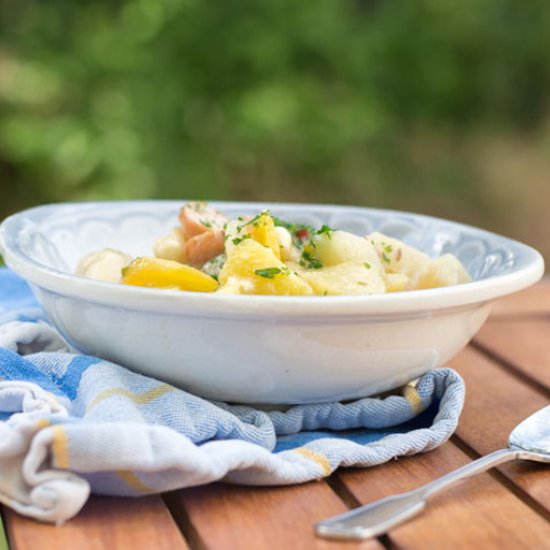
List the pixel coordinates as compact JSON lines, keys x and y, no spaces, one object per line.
{"x":336,"y":247}
{"x":396,"y":282}
{"x":253,"y":268}
{"x":261,"y":228}
{"x":104,"y":265}
{"x":444,"y":271}
{"x":398,"y":257}
{"x":345,"y":278}
{"x":263,"y":231}
{"x":158,"y":273}
{"x":171,"y":246}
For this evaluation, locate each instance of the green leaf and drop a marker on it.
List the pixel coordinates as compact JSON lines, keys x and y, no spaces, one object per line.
{"x":268,"y":272}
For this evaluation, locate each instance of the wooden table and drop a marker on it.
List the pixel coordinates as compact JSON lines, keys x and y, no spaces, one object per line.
{"x":507,"y":374}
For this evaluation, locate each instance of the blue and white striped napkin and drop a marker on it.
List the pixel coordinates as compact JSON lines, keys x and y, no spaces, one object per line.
{"x":71,"y":424}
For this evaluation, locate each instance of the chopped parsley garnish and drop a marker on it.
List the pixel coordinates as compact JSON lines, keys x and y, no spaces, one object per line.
{"x":238,"y":240}
{"x":268,"y":272}
{"x":325,"y":230}
{"x":214,"y":266}
{"x":386,"y":249}
{"x":206,"y":223}
{"x":254,"y":221}
{"x":309,"y":261}
{"x":367,"y":265}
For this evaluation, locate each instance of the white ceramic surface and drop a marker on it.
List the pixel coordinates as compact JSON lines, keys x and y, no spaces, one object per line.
{"x":261,"y":349}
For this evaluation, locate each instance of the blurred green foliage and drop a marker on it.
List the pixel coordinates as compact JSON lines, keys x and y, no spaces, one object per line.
{"x":346,"y":101}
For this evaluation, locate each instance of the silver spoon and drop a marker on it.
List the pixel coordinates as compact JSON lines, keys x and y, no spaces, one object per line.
{"x":530,"y":440}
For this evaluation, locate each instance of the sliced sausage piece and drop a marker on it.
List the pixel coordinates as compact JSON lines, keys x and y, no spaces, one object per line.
{"x":198,"y":217}
{"x":201,"y":248}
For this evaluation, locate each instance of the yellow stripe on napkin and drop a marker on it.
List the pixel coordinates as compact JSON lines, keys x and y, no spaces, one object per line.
{"x":133,"y":481}
{"x":415,"y":401}
{"x":42,"y":423}
{"x":322,"y":460}
{"x":60,"y":447}
{"x":137,"y":398}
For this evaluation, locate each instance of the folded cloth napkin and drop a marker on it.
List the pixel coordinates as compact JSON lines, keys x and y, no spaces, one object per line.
{"x":71,"y":424}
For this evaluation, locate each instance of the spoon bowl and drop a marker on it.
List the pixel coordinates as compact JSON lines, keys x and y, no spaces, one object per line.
{"x":533,"y":434}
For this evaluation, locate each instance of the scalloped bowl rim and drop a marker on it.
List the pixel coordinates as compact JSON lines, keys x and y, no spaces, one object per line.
{"x":529,"y":269}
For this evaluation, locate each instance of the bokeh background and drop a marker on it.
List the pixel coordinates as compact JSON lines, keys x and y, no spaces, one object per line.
{"x":434,"y":106}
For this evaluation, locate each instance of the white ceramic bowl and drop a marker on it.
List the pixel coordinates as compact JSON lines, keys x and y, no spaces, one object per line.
{"x":261,"y":349}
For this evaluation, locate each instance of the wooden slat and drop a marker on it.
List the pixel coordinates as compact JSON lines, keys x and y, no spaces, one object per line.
{"x":534,"y":301}
{"x":525,"y":344}
{"x":480,"y":513}
{"x":489,"y":512}
{"x":104,"y":523}
{"x":496,"y":402}
{"x":484,"y":512}
{"x":229,"y":517}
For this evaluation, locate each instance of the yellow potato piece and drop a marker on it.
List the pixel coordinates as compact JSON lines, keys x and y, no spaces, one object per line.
{"x":261,"y":228}
{"x":345,"y":278}
{"x":397,"y":257}
{"x":444,"y":271}
{"x":171,"y":246}
{"x":103,"y":265}
{"x":396,"y":282}
{"x":338,"y":247}
{"x":158,"y":273}
{"x":253,"y":268}
{"x":263,"y":231}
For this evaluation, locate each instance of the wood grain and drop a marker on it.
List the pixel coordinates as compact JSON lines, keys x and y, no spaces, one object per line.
{"x":227,"y":517}
{"x":534,"y":301}
{"x":525,"y":344}
{"x":506,"y":509}
{"x":478,"y":513}
{"x":496,"y":402}
{"x":104,"y":523}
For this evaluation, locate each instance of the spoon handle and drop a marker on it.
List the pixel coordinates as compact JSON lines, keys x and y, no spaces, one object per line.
{"x":379,"y":516}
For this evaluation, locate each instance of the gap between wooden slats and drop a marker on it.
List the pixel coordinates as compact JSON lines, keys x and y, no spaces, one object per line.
{"x":103,"y":524}
{"x":477,"y":513}
{"x":522,"y":346}
{"x":224,"y":517}
{"x":220,"y":514}
{"x":510,"y":509}
{"x":505,"y":399}
{"x":496,"y":402}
